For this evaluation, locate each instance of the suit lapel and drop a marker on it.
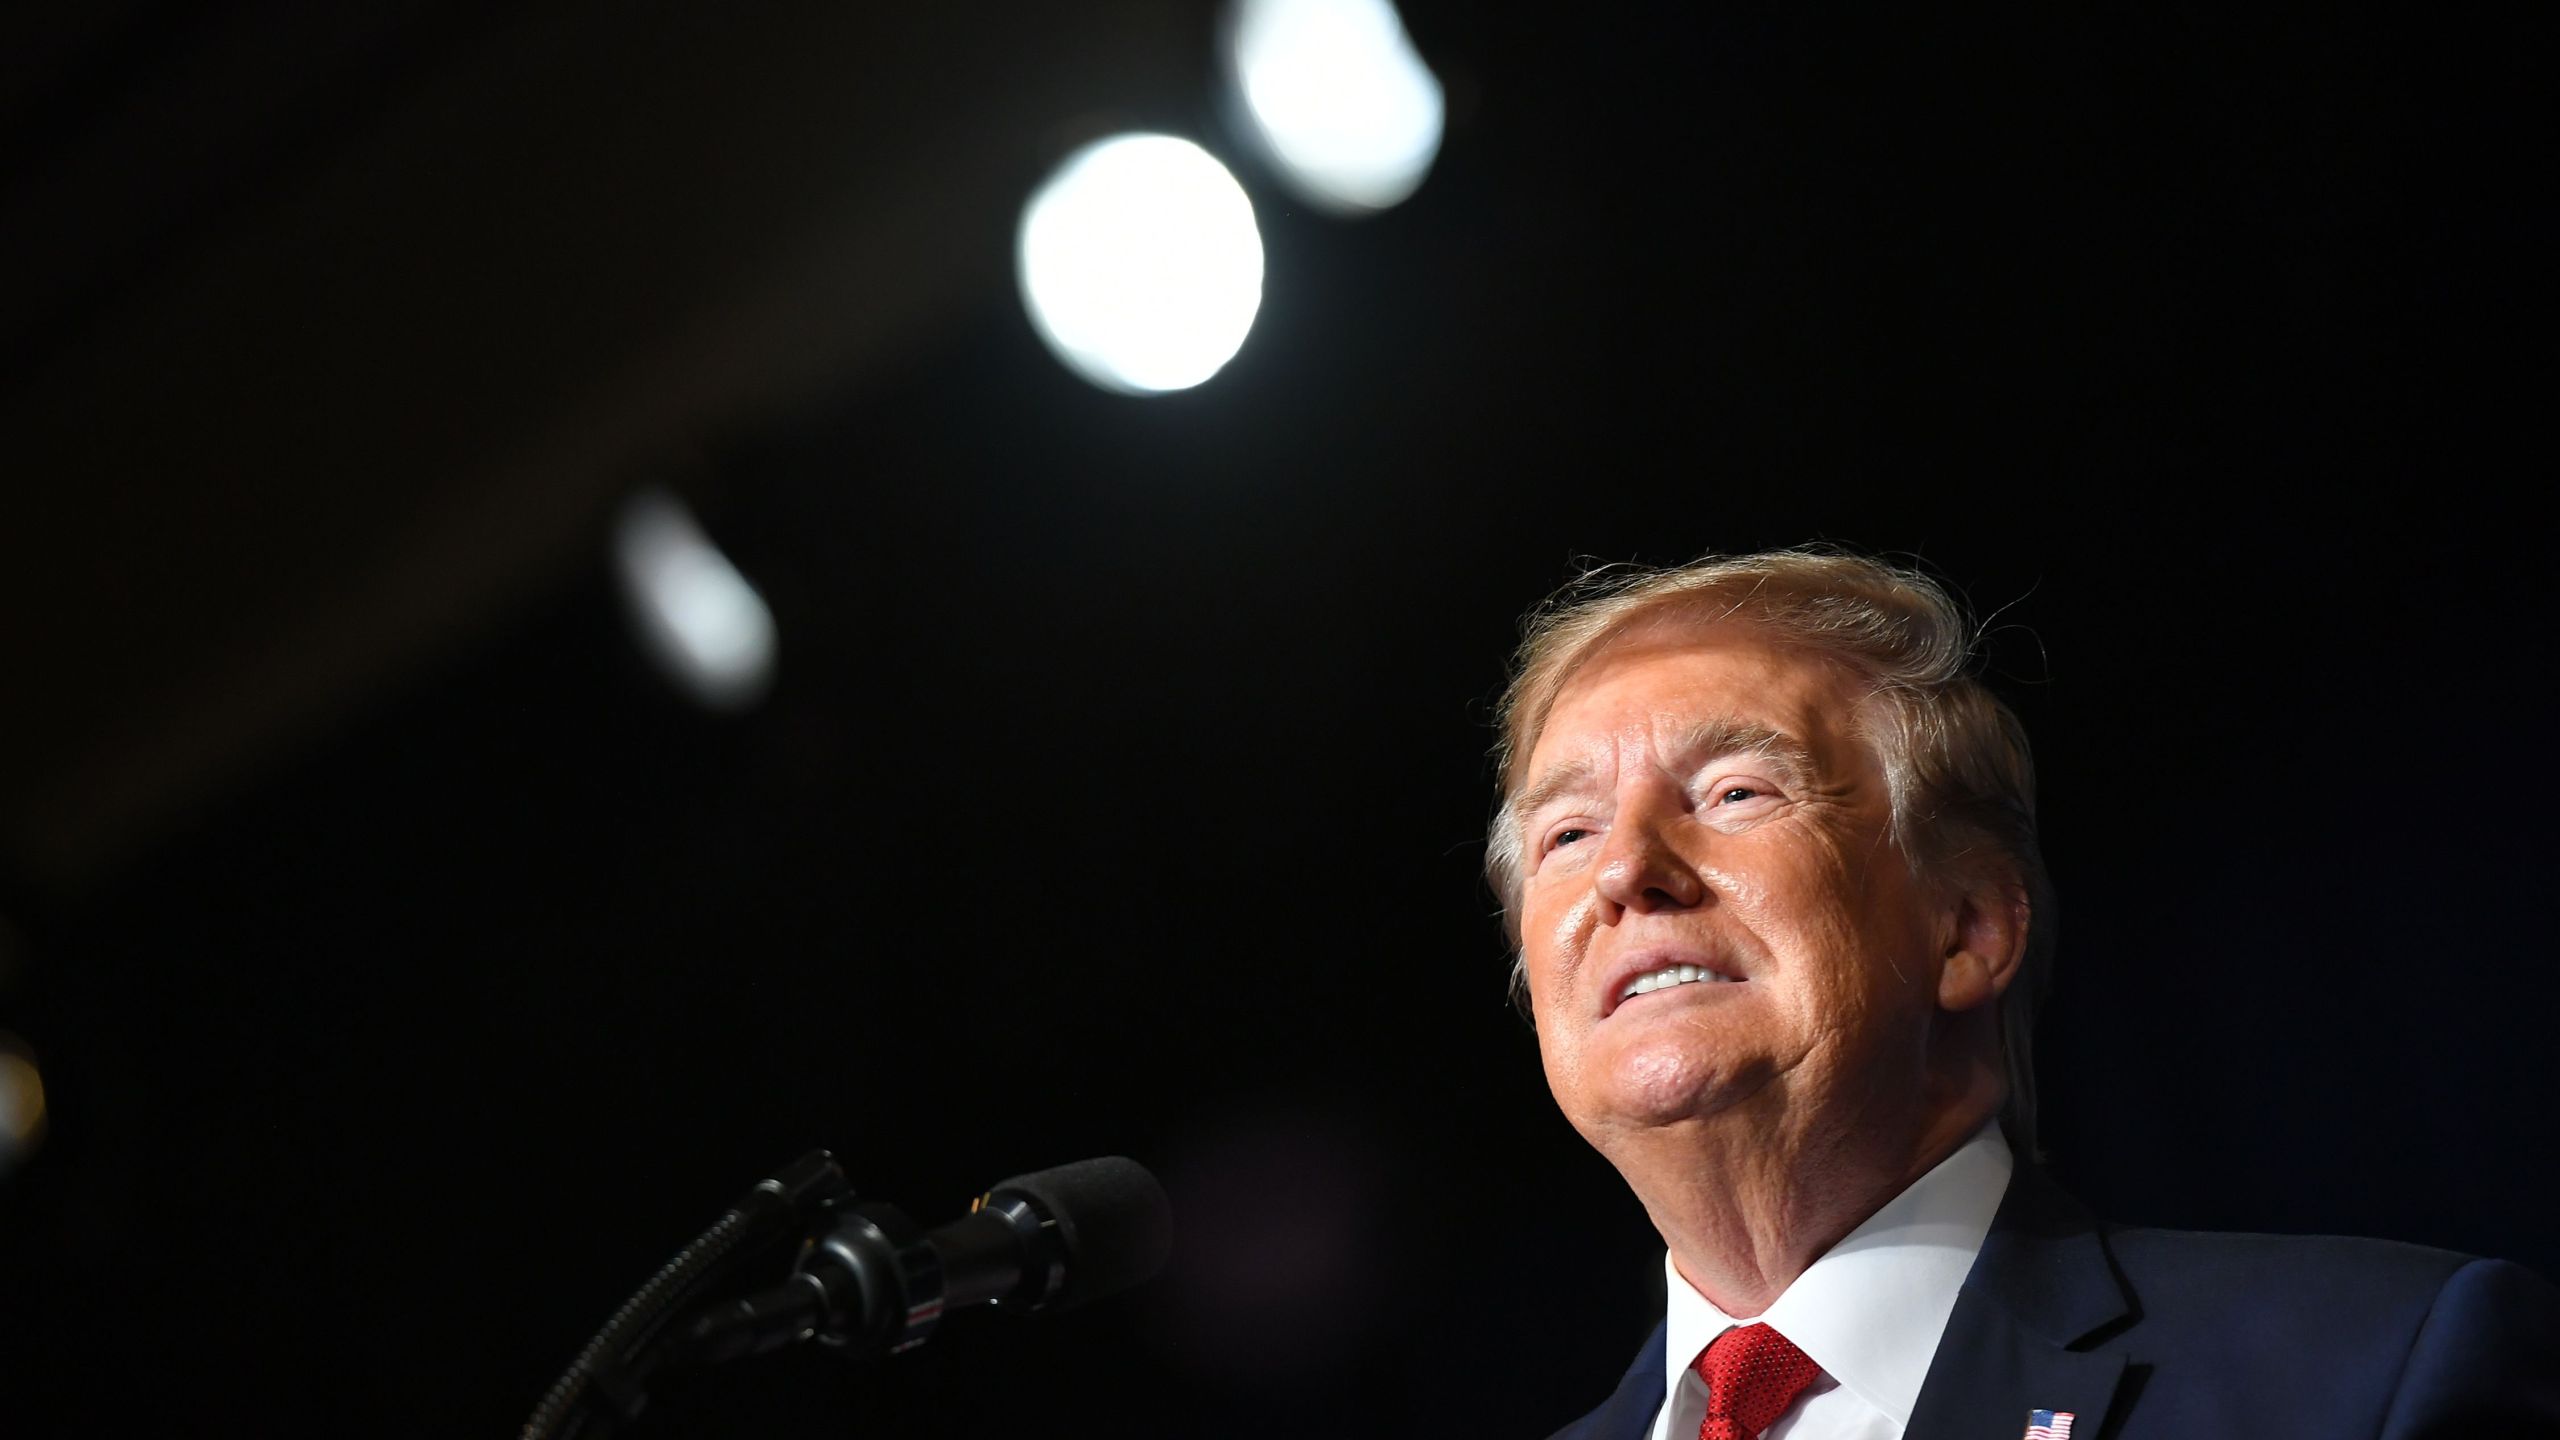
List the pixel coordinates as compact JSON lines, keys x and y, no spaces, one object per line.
{"x":1628,"y":1413}
{"x":1991,"y":1370}
{"x":2041,"y":1285}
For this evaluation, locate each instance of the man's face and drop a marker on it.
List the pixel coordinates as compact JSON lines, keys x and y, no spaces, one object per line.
{"x":1699,"y":798}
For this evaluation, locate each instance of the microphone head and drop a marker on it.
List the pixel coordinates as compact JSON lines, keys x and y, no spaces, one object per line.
{"x":1114,"y":1224}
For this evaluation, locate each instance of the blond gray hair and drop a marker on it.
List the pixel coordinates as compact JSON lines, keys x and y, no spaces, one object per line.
{"x":1959,"y":777}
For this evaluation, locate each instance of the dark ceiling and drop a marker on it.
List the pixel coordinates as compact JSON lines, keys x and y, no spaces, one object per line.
{"x":413,"y":970}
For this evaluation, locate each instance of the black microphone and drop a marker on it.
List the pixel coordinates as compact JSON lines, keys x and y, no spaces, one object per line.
{"x":876,"y":1282}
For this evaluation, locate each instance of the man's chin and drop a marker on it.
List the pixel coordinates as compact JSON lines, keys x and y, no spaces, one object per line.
{"x":1658,"y":1092}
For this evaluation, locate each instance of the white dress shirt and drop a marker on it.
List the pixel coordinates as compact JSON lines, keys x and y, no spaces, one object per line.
{"x":1869,"y":1312}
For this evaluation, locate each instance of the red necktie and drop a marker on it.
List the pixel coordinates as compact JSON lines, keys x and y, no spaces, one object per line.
{"x":1753,"y":1374}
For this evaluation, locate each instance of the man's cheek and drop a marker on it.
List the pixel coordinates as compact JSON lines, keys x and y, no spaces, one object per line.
{"x":1741,"y":887}
{"x":1568,"y":929}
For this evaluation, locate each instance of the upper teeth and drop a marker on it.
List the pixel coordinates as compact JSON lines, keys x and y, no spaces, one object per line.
{"x":1671,"y":975}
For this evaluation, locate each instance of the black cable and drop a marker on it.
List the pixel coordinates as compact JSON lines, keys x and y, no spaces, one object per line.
{"x":605,"y":1369}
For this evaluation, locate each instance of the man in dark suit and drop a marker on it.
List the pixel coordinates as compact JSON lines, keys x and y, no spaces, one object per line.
{"x":1769,"y":853}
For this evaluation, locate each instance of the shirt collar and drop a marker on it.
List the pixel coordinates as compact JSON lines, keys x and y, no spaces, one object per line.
{"x":1870,"y":1310}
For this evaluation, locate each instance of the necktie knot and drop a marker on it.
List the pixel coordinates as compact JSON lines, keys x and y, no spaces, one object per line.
{"x":1753,"y":1374}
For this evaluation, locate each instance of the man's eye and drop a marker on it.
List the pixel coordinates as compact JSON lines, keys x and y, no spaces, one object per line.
{"x":1565,"y":837}
{"x":1739,"y":794}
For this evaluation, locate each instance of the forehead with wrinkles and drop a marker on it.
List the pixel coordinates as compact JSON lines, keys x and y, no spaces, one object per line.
{"x":1696,"y":694}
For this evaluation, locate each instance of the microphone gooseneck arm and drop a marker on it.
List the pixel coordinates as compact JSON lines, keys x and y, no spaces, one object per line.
{"x":867,"y":1279}
{"x":613,"y":1368}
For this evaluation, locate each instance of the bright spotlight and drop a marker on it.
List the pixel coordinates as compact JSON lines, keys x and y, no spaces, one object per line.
{"x":699,"y":619}
{"x":1339,"y":97}
{"x":1141,"y":264}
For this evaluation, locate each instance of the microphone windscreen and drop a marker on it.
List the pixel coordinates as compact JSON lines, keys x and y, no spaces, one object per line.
{"x":1115,"y":1225}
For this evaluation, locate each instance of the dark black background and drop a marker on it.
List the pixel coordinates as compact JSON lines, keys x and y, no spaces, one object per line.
{"x":1122,"y":784}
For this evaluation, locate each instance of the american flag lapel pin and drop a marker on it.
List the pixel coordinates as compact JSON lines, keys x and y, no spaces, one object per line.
{"x":2048,"y":1425}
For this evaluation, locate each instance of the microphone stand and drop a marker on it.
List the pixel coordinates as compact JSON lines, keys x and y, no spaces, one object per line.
{"x":607,"y":1385}
{"x":867,"y":1279}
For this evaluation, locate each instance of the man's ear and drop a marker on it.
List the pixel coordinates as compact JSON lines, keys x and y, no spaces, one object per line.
{"x":1986,"y":944}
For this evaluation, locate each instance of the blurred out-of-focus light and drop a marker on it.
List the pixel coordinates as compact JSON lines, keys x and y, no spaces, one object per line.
{"x":698,"y":618}
{"x":1141,"y":264}
{"x":21,"y":1104}
{"x":1339,"y":96}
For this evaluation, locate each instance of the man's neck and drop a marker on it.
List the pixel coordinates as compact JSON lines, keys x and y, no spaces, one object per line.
{"x":1745,"y":1216}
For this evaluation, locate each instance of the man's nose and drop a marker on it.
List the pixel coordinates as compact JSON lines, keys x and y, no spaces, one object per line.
{"x":1641,"y":871}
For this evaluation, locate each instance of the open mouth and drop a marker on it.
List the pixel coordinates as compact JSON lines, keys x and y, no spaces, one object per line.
{"x":1672,"y":975}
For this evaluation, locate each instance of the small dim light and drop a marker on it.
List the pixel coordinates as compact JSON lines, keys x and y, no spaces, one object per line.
{"x":701,"y":622}
{"x":21,"y":1107}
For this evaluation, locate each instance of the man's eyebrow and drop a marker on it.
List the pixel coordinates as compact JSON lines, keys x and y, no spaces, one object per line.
{"x":1562,"y":778}
{"x":1732,"y":735}
{"x":1717,"y":735}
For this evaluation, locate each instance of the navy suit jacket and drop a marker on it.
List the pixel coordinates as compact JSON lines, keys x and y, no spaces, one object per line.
{"x":2176,"y":1335}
